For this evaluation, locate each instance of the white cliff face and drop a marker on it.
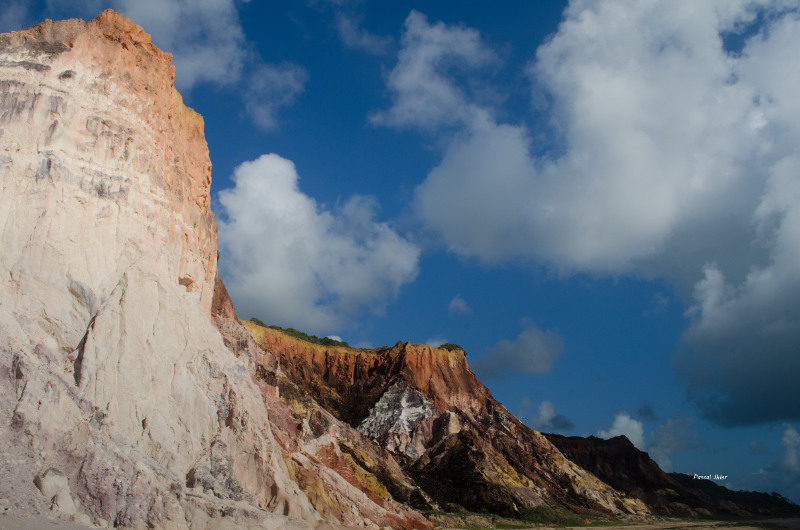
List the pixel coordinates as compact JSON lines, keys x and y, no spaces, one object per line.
{"x":394,"y":419}
{"x":112,"y":370}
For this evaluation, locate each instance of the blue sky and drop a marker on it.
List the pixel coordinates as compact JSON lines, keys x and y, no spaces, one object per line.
{"x":600,"y":201}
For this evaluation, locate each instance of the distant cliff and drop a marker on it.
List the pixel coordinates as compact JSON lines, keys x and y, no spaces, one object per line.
{"x":621,"y":465}
{"x":132,"y":396}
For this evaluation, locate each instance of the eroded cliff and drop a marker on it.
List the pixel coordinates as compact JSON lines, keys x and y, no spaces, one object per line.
{"x":462,"y":448}
{"x":118,"y":393}
{"x":131,"y":395}
{"x":618,"y":463}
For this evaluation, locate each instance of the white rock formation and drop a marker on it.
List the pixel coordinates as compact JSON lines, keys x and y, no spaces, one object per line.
{"x":393,"y":420}
{"x":108,"y":355}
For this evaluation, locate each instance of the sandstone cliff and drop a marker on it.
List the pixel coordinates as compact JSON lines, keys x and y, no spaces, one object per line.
{"x":118,"y":393}
{"x":132,"y":396}
{"x":462,"y":448}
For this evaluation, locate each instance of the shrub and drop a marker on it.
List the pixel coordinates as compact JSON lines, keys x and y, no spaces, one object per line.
{"x":325,"y":341}
{"x":453,"y":347}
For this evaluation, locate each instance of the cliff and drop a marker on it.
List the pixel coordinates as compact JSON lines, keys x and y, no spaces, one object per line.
{"x":621,"y":465}
{"x":132,"y":396}
{"x":425,"y":406}
{"x":120,"y":402}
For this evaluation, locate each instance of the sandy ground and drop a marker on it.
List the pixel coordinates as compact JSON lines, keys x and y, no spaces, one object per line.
{"x":778,"y":524}
{"x":14,"y":520}
{"x":28,"y":521}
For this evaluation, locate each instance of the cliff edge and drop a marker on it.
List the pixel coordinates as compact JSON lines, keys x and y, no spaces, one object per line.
{"x":461,"y":447}
{"x":120,"y":403}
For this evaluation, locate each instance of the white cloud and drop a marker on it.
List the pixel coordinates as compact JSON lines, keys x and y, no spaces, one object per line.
{"x":458,"y":305}
{"x":676,"y":435}
{"x":533,"y":352}
{"x":205,"y":38}
{"x":673,"y":155}
{"x":423,"y":93}
{"x":211,"y":46}
{"x":354,"y":36}
{"x":208,"y":45}
{"x":291,"y":262}
{"x":791,"y":450}
{"x":638,"y":99}
{"x":549,"y":421}
{"x":626,"y":426}
{"x":435,"y":342}
{"x":271,"y":87}
{"x":782,"y":476}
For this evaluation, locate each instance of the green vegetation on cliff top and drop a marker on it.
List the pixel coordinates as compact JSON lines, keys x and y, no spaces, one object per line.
{"x":325,"y":341}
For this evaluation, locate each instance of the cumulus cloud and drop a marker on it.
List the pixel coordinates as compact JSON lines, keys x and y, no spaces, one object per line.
{"x":629,"y":96}
{"x":626,"y":426}
{"x":676,"y":435}
{"x":549,"y":421}
{"x":676,"y":157}
{"x":271,"y":87}
{"x":533,"y":352}
{"x":289,"y":261}
{"x":740,"y":355}
{"x":435,"y":342}
{"x":458,"y":305}
{"x":422,"y":90}
{"x":791,"y":450}
{"x":208,"y":45}
{"x":782,"y":476}
{"x":205,"y":38}
{"x":354,"y":36}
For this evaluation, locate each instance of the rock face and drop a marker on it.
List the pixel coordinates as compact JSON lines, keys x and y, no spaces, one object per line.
{"x":393,"y":420}
{"x":132,"y":396}
{"x":461,"y":448}
{"x":116,"y":387}
{"x":621,"y":465}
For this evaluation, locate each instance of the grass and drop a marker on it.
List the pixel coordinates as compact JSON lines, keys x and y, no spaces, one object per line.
{"x":550,"y":516}
{"x":325,"y":341}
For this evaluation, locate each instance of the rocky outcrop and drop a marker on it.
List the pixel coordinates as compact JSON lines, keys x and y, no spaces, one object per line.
{"x":618,"y":463}
{"x":393,"y":420}
{"x":132,"y":396}
{"x":116,"y":388}
{"x":462,"y":448}
{"x":370,"y":474}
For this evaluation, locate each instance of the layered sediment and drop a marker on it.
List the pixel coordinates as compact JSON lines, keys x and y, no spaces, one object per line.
{"x":132,"y":396}
{"x":621,"y":465}
{"x":112,"y":373}
{"x":424,"y":405}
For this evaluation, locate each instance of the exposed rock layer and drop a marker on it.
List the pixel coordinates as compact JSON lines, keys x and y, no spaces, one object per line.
{"x":130,"y":395}
{"x":112,"y":373}
{"x":465,"y":451}
{"x":621,"y":465}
